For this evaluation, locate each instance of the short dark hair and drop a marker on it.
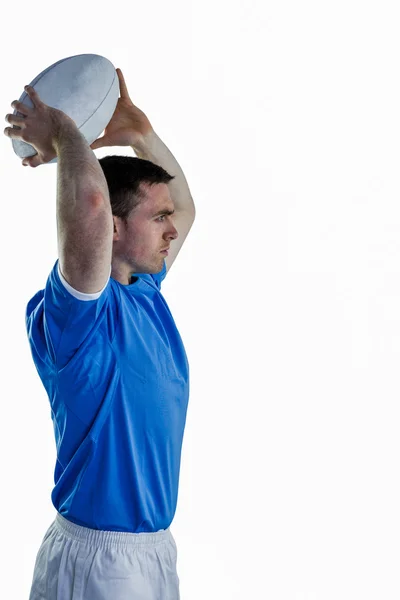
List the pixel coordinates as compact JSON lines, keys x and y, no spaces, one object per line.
{"x":124,"y":174}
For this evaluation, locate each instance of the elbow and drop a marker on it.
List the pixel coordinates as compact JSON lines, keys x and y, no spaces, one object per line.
{"x":99,"y":201}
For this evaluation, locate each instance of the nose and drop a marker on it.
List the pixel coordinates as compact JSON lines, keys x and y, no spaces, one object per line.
{"x":173,"y":233}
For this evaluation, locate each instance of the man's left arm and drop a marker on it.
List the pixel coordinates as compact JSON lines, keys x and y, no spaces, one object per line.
{"x":129,"y":126}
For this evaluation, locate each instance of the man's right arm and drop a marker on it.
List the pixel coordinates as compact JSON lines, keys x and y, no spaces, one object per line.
{"x":84,"y":217}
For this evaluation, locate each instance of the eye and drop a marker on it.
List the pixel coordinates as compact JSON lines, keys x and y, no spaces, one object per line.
{"x":161,"y":217}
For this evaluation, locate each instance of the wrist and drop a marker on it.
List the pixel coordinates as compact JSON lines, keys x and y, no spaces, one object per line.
{"x":64,"y":131}
{"x":145,"y":144}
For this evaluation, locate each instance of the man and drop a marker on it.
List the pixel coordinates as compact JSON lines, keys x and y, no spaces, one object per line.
{"x":110,"y":357}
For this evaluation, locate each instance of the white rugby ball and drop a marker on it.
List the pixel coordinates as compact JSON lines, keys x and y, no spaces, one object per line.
{"x":85,"y":87}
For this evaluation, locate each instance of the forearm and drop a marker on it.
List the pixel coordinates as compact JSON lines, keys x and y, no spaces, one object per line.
{"x":153,"y":148}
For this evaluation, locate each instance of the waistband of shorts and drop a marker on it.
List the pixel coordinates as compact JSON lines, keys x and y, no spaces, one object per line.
{"x":103,"y":538}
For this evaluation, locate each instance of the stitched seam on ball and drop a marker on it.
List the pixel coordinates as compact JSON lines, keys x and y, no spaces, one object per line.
{"x":102,"y":102}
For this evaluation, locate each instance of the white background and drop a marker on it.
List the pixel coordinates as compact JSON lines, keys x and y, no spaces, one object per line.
{"x":284,"y":116}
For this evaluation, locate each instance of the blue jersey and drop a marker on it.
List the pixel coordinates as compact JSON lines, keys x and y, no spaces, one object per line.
{"x":116,"y":373}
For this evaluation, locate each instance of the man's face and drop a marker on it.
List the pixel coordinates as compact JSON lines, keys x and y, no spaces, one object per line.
{"x":138,"y":245}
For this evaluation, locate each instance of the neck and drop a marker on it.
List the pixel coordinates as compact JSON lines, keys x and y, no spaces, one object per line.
{"x":123,"y":276}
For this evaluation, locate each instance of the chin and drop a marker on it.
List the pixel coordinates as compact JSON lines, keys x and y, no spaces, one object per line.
{"x":152,"y":268}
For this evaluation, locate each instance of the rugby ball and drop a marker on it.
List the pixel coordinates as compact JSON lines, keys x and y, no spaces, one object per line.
{"x":85,"y":87}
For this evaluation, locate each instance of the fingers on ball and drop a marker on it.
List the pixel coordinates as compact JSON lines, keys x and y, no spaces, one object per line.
{"x":14,"y":132}
{"x":15,"y":120}
{"x":32,"y":93}
{"x":23,"y":109}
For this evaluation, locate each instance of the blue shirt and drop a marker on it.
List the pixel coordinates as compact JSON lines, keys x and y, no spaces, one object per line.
{"x":116,"y":373}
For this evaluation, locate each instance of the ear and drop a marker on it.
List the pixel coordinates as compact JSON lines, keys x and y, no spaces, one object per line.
{"x":116,"y":226}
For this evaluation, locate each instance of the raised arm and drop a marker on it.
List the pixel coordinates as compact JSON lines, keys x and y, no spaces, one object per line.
{"x":84,"y":218}
{"x":129,"y":126}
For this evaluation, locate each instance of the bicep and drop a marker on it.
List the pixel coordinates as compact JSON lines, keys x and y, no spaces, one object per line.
{"x":85,"y":248}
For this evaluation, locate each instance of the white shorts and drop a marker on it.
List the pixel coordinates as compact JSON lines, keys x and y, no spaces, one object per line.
{"x":77,"y":563}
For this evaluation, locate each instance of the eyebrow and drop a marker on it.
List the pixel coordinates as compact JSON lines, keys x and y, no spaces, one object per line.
{"x":164,"y":212}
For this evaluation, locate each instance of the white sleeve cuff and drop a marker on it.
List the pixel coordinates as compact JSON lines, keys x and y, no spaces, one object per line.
{"x":80,"y":295}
